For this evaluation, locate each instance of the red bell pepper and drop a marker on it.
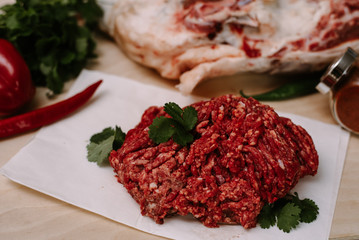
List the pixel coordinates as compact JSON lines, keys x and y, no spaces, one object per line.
{"x":16,"y":87}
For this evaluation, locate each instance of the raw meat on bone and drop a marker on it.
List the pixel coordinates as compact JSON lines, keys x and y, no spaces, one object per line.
{"x":193,"y":40}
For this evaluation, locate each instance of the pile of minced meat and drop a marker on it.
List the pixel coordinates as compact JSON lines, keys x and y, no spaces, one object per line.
{"x":243,"y":156}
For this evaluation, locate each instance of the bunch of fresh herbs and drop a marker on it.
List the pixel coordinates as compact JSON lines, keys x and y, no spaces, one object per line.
{"x":53,"y":36}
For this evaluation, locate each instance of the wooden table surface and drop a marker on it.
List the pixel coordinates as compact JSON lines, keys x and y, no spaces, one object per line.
{"x":28,"y":214}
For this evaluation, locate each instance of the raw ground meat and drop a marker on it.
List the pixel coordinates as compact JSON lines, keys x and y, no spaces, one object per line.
{"x":243,"y":156}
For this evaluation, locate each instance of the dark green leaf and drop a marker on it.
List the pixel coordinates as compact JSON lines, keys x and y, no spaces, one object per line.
{"x":174,"y":111}
{"x":288,"y":217}
{"x":279,"y":204}
{"x":309,"y":210}
{"x":267,"y":217}
{"x":45,"y":69}
{"x":119,"y":138}
{"x":45,"y":45}
{"x":12,"y":22}
{"x":54,"y":81}
{"x":67,"y":57}
{"x":99,"y":153}
{"x":99,"y":137}
{"x":101,"y":144}
{"x":181,"y":136}
{"x":189,"y":118}
{"x":161,"y":130}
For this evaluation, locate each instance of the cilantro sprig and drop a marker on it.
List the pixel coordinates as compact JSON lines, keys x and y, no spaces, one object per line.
{"x":288,"y":212}
{"x":178,"y":126}
{"x":101,"y":144}
{"x":162,"y":129}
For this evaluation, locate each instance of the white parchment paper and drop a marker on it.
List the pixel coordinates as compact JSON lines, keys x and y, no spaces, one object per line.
{"x":55,"y":163}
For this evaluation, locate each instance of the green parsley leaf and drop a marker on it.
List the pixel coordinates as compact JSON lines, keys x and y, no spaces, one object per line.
{"x":161,"y":130}
{"x":174,"y":111}
{"x":178,"y":126}
{"x":280,"y":203}
{"x":101,"y":144}
{"x":267,"y":217}
{"x":101,"y":136}
{"x":309,"y":209}
{"x":119,"y":138}
{"x":288,"y":217}
{"x":181,"y":136}
{"x":288,"y":212}
{"x":99,"y":152}
{"x":190,"y":118}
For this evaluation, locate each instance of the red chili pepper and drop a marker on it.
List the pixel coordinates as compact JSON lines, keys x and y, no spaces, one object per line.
{"x":46,"y":115}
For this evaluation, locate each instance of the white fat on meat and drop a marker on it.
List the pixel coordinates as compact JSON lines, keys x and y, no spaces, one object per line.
{"x":206,"y":39}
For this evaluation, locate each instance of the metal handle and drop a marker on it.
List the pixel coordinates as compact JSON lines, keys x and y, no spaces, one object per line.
{"x":337,"y":70}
